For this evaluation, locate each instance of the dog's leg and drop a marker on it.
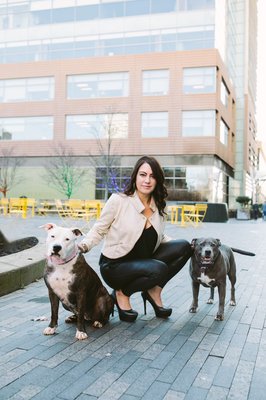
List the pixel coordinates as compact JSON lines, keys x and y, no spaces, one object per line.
{"x":232,"y":278}
{"x":103,"y":307}
{"x":81,"y":331}
{"x":54,"y":301}
{"x":210,"y":301}
{"x":221,"y":291}
{"x":195,"y":291}
{"x":71,"y":319}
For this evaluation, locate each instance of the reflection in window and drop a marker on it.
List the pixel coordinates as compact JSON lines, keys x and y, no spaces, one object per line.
{"x":199,"y":80}
{"x":26,"y":89}
{"x":26,"y":128}
{"x":119,"y":178}
{"x":198,"y":123}
{"x":137,"y":7}
{"x":223,"y":132}
{"x":175,"y":178}
{"x":224,"y":94}
{"x":155,"y":82}
{"x":154,"y":124}
{"x":97,"y":85}
{"x":97,"y":126}
{"x":199,"y":37}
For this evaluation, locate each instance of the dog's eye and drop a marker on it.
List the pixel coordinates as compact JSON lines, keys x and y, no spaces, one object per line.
{"x":67,"y":239}
{"x":52,"y":236}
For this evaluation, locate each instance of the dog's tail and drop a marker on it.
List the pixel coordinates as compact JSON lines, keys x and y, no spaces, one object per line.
{"x":245,"y":253}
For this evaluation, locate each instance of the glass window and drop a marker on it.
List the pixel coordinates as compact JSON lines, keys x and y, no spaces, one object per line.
{"x":154,"y":124}
{"x":63,"y":14}
{"x":198,"y":123}
{"x":175,"y":178}
{"x":155,"y":82}
{"x":40,"y":17}
{"x":111,"y":10}
{"x":137,"y":7}
{"x":26,"y":89}
{"x":159,"y":6}
{"x":118,"y":179}
{"x":26,"y":128}
{"x":200,"y":4}
{"x":224,"y":94}
{"x":201,"y":37}
{"x":223,"y":133}
{"x":97,"y":126}
{"x":199,"y":80}
{"x":114,"y":84}
{"x":87,"y":12}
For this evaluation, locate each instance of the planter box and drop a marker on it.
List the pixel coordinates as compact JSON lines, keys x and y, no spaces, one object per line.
{"x":243,"y":214}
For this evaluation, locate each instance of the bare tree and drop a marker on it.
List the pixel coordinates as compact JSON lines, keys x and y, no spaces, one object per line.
{"x":63,"y":173}
{"x":107,"y":132}
{"x":9,"y":170}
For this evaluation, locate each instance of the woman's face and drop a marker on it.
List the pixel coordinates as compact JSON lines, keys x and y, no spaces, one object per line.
{"x":145,"y":181}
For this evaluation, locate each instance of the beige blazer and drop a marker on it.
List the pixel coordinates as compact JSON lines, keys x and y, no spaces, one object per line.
{"x":121,"y":224}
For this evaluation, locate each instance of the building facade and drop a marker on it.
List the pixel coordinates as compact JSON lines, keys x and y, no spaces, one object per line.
{"x":113,"y":80}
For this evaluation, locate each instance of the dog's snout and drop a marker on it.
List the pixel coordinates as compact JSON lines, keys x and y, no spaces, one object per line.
{"x":56,"y":248}
{"x":207,"y":253}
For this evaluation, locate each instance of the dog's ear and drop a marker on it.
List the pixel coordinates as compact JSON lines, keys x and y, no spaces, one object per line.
{"x":193,"y":242}
{"x":77,"y":232}
{"x":48,"y":226}
{"x":218,"y":242}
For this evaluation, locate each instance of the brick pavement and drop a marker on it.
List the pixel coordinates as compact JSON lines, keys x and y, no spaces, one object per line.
{"x":188,"y":356}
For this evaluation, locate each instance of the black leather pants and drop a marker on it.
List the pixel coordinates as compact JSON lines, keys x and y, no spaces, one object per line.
{"x":142,"y":274}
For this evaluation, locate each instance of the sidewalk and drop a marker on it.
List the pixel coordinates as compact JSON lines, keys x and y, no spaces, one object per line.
{"x":188,"y":356}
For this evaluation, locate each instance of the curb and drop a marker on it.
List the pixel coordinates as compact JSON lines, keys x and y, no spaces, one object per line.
{"x":20,"y":269}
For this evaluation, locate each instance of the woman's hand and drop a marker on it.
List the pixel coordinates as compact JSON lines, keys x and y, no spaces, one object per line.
{"x":82,"y":247}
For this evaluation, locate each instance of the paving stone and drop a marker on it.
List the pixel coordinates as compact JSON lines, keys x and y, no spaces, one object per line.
{"x":102,"y":384}
{"x":156,"y":391}
{"x":172,"y":369}
{"x":190,"y":371}
{"x":173,"y":395}
{"x":196,"y":393}
{"x":241,"y":383}
{"x":143,"y":382}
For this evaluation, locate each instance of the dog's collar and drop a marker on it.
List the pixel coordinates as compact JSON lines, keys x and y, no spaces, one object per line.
{"x":58,"y":261}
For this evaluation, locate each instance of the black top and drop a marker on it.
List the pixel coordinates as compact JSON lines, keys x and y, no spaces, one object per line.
{"x":144,"y":246}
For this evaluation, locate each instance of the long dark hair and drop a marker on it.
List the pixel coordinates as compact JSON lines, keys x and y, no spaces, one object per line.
{"x":160,"y":191}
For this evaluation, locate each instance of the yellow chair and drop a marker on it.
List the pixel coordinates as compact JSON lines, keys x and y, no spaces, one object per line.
{"x":200,"y":210}
{"x":62,"y":209}
{"x":93,"y":208}
{"x":194,"y":214}
{"x":76,"y":208}
{"x":31,"y":203}
{"x":188,"y":214}
{"x":173,"y":212}
{"x":4,"y":205}
{"x":18,"y":206}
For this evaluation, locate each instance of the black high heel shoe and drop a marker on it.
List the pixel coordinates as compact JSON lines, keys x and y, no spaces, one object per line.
{"x":160,"y":312}
{"x":124,"y":315}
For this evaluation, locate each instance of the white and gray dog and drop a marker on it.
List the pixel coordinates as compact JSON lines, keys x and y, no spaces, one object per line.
{"x":71,"y":281}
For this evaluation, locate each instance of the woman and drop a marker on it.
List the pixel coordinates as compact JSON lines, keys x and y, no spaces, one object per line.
{"x":136,"y":255}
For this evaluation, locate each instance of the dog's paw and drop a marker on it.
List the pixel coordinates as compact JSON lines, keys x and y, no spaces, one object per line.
{"x":49,"y":330}
{"x":193,"y":309}
{"x":210,"y":301}
{"x":71,"y":319}
{"x":219,"y":317}
{"x":97,"y":324}
{"x":232,"y":303}
{"x":81,"y":335}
